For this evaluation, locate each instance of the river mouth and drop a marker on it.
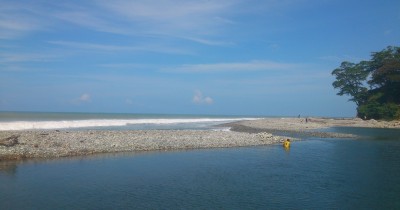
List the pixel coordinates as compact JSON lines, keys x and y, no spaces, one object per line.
{"x":315,"y":173}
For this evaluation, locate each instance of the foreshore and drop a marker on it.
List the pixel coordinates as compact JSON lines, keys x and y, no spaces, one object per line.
{"x":56,"y":143}
{"x":305,"y":127}
{"x":53,"y":143}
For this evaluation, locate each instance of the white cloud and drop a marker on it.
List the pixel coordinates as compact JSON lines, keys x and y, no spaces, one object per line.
{"x":198,"y":98}
{"x":208,"y":100}
{"x":84,"y":97}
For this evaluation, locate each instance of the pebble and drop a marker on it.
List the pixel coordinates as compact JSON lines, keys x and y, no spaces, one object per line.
{"x":51,"y":144}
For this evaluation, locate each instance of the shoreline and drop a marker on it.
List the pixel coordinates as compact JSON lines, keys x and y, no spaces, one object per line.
{"x":19,"y":145}
{"x":300,"y":127}
{"x":46,"y":144}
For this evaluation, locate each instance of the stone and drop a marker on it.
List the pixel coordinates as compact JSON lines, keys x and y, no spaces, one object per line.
{"x":10,"y":141}
{"x":264,"y":135}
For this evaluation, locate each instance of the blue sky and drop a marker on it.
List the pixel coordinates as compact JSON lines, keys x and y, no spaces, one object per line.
{"x":235,"y":57}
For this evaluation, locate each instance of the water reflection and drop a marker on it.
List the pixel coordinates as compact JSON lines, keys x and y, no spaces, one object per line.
{"x":367,"y":133}
{"x":318,"y":174}
{"x":8,"y":167}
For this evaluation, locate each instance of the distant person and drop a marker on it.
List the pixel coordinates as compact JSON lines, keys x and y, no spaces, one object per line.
{"x":306,"y":120}
{"x":286,"y":144}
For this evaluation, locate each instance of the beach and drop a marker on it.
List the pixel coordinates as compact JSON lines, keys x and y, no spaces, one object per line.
{"x":51,"y":144}
{"x":24,"y":144}
{"x":307,"y":126}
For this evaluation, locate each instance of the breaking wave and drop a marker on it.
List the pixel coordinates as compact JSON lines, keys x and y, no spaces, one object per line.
{"x":75,"y":124}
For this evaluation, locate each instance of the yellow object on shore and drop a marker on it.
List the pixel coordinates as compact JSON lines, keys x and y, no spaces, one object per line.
{"x":286,"y":144}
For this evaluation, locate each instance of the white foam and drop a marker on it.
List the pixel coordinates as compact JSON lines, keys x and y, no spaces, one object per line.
{"x":225,"y":129}
{"x":29,"y":125}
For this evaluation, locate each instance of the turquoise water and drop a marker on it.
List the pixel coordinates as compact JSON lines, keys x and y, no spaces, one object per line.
{"x":314,"y":174}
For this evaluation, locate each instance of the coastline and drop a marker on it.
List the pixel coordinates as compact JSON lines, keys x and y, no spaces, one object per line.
{"x":300,"y":127}
{"x":46,"y":144}
{"x":54,"y":143}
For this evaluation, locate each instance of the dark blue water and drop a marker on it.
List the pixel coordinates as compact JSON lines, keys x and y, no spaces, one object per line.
{"x":314,"y":174}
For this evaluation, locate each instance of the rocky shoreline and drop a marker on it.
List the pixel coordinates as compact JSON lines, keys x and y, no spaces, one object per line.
{"x":307,"y":127}
{"x":54,"y":143}
{"x":293,"y":133}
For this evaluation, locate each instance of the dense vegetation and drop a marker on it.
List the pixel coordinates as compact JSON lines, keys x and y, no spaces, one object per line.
{"x":373,"y":85}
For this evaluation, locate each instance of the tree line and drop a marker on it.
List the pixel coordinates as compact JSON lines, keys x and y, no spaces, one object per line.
{"x":374,"y":85}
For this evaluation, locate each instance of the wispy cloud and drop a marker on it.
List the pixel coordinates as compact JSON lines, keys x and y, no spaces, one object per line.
{"x":387,"y":32}
{"x":209,"y":42}
{"x":25,"y":57}
{"x":112,"y":48}
{"x":257,"y":65}
{"x":18,"y":19}
{"x":340,"y":58}
{"x":17,"y":62}
{"x":127,"y":66}
{"x":193,"y":20}
{"x":91,"y":46}
{"x":154,"y":15}
{"x":201,"y":21}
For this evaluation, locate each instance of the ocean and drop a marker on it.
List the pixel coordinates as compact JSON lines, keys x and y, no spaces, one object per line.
{"x":110,"y":121}
{"x":315,"y":173}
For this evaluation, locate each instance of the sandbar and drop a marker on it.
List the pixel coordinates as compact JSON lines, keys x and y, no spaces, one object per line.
{"x":27,"y":144}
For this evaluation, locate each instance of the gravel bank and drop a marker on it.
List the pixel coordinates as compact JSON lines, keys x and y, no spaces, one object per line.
{"x":51,"y":144}
{"x":54,"y":143}
{"x":298,"y":124}
{"x":300,"y":127}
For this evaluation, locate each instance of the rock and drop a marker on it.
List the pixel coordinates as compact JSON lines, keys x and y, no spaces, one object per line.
{"x":264,"y":135}
{"x":10,"y":141}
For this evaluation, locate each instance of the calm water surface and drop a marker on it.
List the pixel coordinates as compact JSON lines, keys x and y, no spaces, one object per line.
{"x":313,"y":174}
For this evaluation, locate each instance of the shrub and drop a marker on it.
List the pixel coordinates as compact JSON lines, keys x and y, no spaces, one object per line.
{"x":375,"y":110}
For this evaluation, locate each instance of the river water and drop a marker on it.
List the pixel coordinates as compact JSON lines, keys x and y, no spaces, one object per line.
{"x":315,"y":173}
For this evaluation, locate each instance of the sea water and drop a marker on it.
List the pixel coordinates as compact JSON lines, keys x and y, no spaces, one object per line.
{"x":109,"y":121}
{"x":315,"y":173}
{"x":361,"y":173}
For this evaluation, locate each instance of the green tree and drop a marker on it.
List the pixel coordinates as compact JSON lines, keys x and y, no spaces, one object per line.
{"x":385,"y":78}
{"x":350,"y":80}
{"x":381,"y":100}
